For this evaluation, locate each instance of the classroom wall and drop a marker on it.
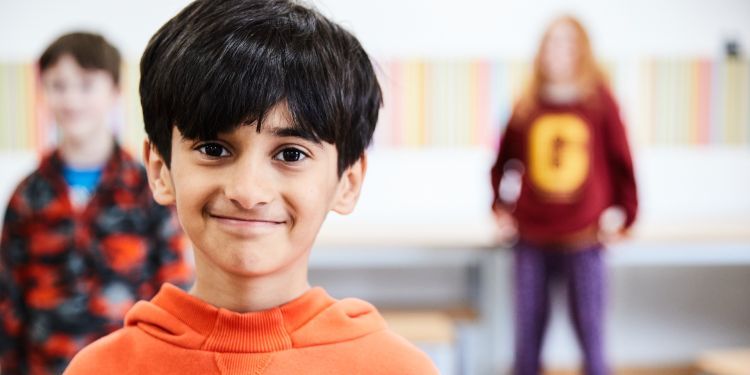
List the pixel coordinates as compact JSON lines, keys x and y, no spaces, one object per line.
{"x":424,"y":28}
{"x":625,"y":33}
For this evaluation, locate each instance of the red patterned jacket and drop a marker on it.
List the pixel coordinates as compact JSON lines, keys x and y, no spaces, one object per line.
{"x":67,"y":276}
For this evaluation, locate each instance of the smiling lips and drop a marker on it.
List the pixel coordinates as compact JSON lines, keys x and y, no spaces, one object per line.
{"x":246,"y":220}
{"x":246,"y":226}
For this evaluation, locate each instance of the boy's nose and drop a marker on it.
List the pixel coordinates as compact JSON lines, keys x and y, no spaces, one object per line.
{"x":249,"y":186}
{"x":70,"y":100}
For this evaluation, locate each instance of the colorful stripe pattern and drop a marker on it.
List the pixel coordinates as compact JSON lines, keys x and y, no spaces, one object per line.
{"x":446,"y":103}
{"x":696,"y":102}
{"x":452,"y":103}
{"x":24,"y":124}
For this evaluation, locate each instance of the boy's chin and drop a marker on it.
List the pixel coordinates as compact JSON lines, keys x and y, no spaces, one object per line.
{"x":258,"y":265}
{"x":253,"y":272}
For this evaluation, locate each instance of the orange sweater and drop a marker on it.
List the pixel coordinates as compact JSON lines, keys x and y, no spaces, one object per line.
{"x":176,"y":333}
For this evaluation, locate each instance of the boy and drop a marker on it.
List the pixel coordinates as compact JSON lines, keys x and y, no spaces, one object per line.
{"x":258,"y":115}
{"x":82,"y":238}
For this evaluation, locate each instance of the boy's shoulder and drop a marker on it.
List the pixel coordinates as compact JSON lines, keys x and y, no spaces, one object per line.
{"x":359,"y":340}
{"x":50,"y":166}
{"x":389,"y":353}
{"x":381,"y":352}
{"x":127,"y":171}
{"x":34,"y":190}
{"x":107,"y":355}
{"x":131,"y":350}
{"x":40,"y":187}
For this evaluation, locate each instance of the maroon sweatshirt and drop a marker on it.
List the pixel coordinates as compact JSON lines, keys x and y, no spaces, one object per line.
{"x":576,"y":163}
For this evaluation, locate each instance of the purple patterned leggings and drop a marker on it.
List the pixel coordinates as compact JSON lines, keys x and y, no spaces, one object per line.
{"x":584,"y":276}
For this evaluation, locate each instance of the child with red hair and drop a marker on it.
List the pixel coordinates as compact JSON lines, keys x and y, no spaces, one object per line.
{"x":566,"y":138}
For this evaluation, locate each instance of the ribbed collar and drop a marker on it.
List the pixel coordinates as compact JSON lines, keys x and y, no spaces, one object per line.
{"x":228,"y":331}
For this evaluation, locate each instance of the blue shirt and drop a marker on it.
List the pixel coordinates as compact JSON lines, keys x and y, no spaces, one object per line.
{"x":82,"y":183}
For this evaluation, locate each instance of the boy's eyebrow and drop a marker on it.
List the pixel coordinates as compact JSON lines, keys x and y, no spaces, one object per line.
{"x":288,"y":131}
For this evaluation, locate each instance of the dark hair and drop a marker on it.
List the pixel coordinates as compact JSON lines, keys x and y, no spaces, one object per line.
{"x":91,"y":51}
{"x":220,"y":64}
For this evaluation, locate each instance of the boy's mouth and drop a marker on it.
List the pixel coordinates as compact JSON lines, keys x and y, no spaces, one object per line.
{"x":246,"y":220}
{"x":247,"y":227}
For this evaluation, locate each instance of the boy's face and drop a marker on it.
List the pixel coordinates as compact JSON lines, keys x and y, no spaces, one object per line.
{"x":252,"y":203}
{"x":80,"y":99}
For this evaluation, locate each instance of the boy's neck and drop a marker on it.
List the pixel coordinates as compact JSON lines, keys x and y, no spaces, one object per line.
{"x":90,"y":151}
{"x":248,"y":294}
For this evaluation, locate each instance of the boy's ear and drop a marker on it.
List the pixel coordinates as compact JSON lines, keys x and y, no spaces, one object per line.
{"x":158,"y":175}
{"x":350,"y":186}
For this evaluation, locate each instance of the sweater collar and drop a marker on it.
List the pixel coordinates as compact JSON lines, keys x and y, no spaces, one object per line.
{"x":228,"y":331}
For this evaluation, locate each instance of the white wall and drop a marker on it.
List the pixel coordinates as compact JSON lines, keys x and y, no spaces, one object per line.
{"x":510,"y":28}
{"x":418,"y":28}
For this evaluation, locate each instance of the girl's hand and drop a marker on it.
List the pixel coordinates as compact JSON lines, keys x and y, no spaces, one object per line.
{"x":505,"y":230}
{"x":611,"y":226}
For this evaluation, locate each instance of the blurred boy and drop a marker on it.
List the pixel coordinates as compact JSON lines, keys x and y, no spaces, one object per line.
{"x":258,"y":115}
{"x":82,"y":238}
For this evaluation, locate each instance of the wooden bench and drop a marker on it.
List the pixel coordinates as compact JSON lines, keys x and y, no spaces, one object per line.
{"x":423,"y":327}
{"x":724,"y":362}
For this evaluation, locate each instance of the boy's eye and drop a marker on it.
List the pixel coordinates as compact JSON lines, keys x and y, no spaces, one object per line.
{"x":290,"y":155}
{"x":213,"y":150}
